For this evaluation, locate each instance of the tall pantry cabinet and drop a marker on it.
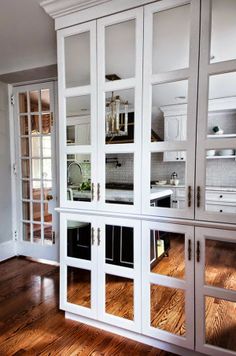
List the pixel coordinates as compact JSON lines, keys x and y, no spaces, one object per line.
{"x":147,"y":149}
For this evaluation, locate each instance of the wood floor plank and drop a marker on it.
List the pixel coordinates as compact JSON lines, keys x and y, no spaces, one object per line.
{"x":32,"y":324}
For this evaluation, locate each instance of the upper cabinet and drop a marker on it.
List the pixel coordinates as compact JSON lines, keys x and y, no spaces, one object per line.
{"x":101,"y":113}
{"x":148,"y":109}
{"x":171,"y":35}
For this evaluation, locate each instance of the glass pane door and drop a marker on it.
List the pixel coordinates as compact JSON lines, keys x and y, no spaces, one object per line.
{"x":167,"y":282}
{"x":119,"y":275}
{"x":216,"y":290}
{"x":216,"y":185}
{"x":169,"y":108}
{"x":78,"y":115}
{"x":36,"y":152}
{"x":119,"y":107}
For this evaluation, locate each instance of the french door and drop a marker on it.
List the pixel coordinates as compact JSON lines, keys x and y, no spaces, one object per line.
{"x":35,"y":171}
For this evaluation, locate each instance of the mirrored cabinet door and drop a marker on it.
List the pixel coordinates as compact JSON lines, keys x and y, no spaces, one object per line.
{"x":78,"y":138}
{"x":167,"y":283}
{"x":216,"y":142}
{"x":216,"y":291}
{"x":119,"y":273}
{"x":79,"y":257}
{"x":169,"y":107}
{"x":119,"y":110}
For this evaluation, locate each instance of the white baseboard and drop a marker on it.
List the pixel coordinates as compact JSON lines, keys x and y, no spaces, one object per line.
{"x":7,"y":250}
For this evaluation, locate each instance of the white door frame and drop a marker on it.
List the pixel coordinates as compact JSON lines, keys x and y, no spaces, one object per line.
{"x":25,"y":248}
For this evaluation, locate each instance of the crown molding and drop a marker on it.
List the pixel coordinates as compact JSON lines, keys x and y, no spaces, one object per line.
{"x":59,"y":8}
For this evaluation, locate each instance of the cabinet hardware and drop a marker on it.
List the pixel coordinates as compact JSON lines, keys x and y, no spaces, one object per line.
{"x":221,"y":211}
{"x":92,"y":191}
{"x":189,"y":196}
{"x":221,"y":196}
{"x":53,"y":237}
{"x":92,"y":236}
{"x":182,"y":158}
{"x":189,"y":250}
{"x":198,"y":196}
{"x":49,"y":197}
{"x":98,"y":192}
{"x":98,"y":236}
{"x":177,"y":158}
{"x":198,"y":251}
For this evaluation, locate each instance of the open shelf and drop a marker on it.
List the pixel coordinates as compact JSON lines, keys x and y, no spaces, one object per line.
{"x":222,"y":136}
{"x":217,"y":157}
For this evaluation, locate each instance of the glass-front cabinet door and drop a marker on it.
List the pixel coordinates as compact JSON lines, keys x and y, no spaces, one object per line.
{"x":215,"y":291}
{"x":78,"y":276}
{"x":167,"y":282}
{"x":119,"y":273}
{"x":78,"y":116}
{"x":216,"y":143}
{"x":171,"y":35}
{"x":119,"y":110}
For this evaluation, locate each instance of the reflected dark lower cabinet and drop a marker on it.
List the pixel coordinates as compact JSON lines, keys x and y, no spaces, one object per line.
{"x":119,"y":246}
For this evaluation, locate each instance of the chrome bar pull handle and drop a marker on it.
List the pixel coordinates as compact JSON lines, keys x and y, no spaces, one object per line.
{"x":189,"y":250}
{"x":92,"y":236}
{"x":198,"y":251}
{"x":98,"y":236}
{"x":189,"y":196}
{"x":98,"y":192}
{"x":92,"y":191}
{"x":198,"y":196}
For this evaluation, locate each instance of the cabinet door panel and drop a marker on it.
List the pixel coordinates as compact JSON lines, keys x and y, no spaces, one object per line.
{"x":215,"y":169}
{"x":167,"y":282}
{"x":169,"y":102}
{"x":119,"y":110}
{"x":78,"y":115}
{"x":216,"y":291}
{"x":119,"y":273}
{"x":78,"y":261}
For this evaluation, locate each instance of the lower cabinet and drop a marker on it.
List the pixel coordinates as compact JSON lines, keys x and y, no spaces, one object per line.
{"x":102,"y":280}
{"x":172,"y":282}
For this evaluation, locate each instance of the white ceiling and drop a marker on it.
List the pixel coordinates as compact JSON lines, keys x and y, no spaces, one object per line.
{"x":27,"y":39}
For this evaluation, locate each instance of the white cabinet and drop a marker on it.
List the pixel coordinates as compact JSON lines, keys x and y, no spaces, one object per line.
{"x":175,"y":130}
{"x":100,"y":72}
{"x":94,"y":282}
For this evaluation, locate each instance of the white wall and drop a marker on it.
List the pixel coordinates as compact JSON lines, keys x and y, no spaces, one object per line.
{"x":5,"y":168}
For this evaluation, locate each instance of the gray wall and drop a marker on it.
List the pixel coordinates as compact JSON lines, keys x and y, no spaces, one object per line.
{"x":5,"y":168}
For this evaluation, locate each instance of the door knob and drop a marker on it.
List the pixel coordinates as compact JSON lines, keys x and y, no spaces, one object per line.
{"x":49,"y":197}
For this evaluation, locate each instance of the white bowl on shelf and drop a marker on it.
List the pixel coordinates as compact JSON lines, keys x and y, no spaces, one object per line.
{"x":161,"y":182}
{"x":226,"y":152}
{"x":211,"y":153}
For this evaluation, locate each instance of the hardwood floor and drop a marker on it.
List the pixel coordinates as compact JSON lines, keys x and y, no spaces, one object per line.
{"x":31,"y":324}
